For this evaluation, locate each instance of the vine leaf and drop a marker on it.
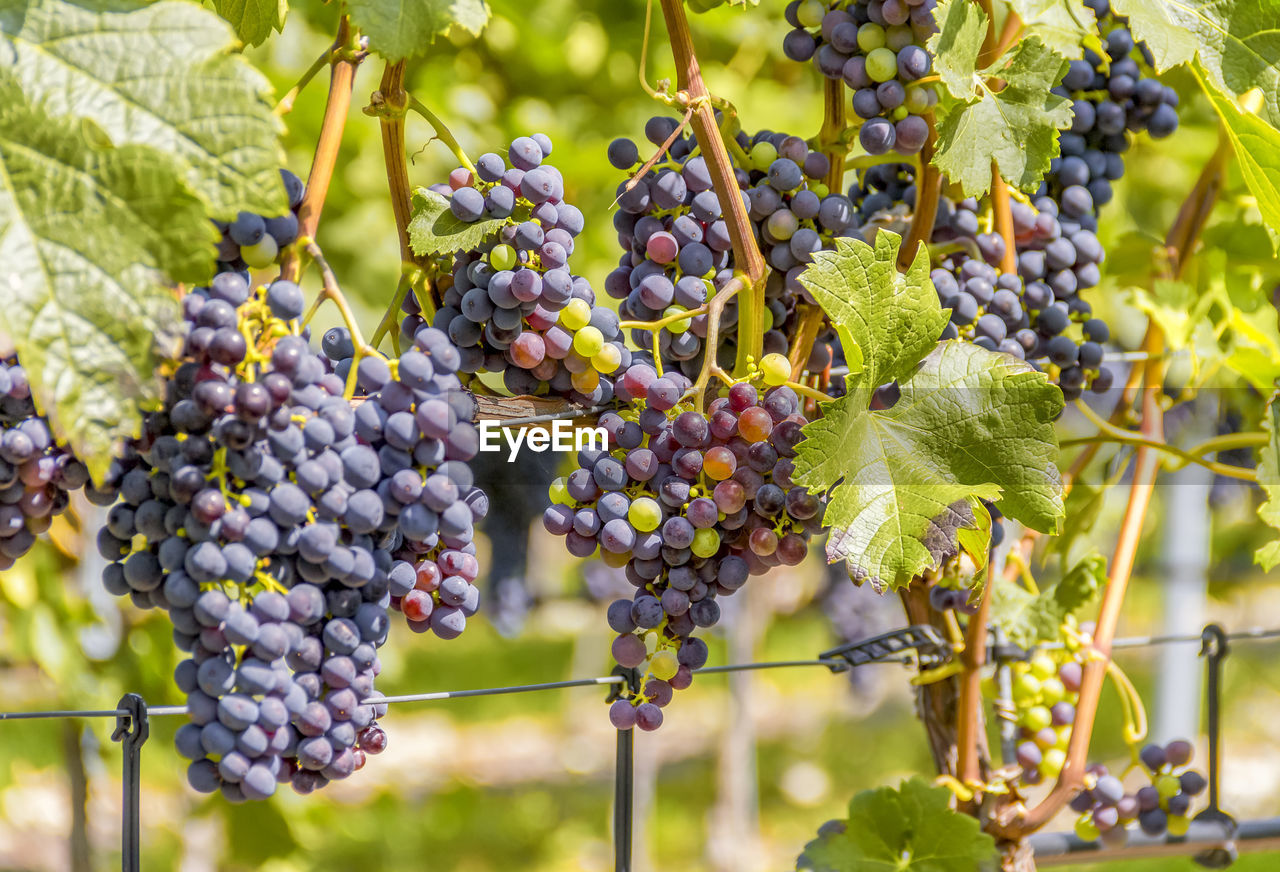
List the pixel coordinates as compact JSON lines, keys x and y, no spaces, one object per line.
{"x":1236,"y":41}
{"x":1268,"y":556}
{"x":161,"y":75}
{"x":433,"y":229}
{"x":1030,"y":619}
{"x":1015,"y":125}
{"x":969,"y":425}
{"x":84,"y":235}
{"x":399,"y":29}
{"x":253,"y":20}
{"x":1067,"y":27}
{"x":910,"y":829}
{"x":1257,"y":149}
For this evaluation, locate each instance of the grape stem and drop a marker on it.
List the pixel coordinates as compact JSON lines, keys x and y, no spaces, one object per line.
{"x":715,"y":308}
{"x":806,"y":391}
{"x":389,"y":103}
{"x":831,"y":138}
{"x":969,"y":720}
{"x":388,"y":323}
{"x":693,"y":93}
{"x":341,"y":79}
{"x":657,"y":155}
{"x":644,"y":53}
{"x":442,"y":133}
{"x":1111,"y":433}
{"x":331,"y":291}
{"x":928,"y":190}
{"x":1002,"y":210}
{"x":285,"y":106}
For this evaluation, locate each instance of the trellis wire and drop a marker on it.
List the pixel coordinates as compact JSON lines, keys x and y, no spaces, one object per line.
{"x":132,"y":719}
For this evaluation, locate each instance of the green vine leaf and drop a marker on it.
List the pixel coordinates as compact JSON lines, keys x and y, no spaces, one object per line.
{"x":1016,"y":126}
{"x":253,"y":20}
{"x":161,"y":75}
{"x":969,"y":425}
{"x":85,"y":234}
{"x":1030,"y":619}
{"x":910,"y":829}
{"x":1236,"y":41}
{"x":1268,"y":556}
{"x":1257,"y":149}
{"x":433,"y":229}
{"x":1067,"y":27}
{"x":399,"y":29}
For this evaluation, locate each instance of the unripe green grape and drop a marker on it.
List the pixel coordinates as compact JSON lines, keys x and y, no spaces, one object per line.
{"x":882,"y":65}
{"x":1037,"y":718}
{"x":676,"y":326}
{"x":783,"y":224}
{"x":1043,"y":666}
{"x":917,"y":101}
{"x":762,"y":155}
{"x":576,"y":315}
{"x":871,"y":36}
{"x":645,"y":514}
{"x":1086,"y":830}
{"x":261,"y":254}
{"x":706,"y":543}
{"x":776,"y":369}
{"x":559,"y":492}
{"x":1052,"y":690}
{"x":1177,"y":825}
{"x":664,"y":664}
{"x":502,"y":257}
{"x":1026,"y":688}
{"x":607,"y":359}
{"x":768,"y":320}
{"x":1054,"y":760}
{"x":1168,"y":785}
{"x":811,"y":12}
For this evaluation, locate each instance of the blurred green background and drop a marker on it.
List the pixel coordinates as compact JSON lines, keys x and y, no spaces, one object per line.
{"x":746,"y":769}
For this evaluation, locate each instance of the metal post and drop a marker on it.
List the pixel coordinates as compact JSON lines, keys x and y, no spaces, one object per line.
{"x":1005,"y":710}
{"x":1214,"y":648}
{"x":623,"y":777}
{"x":131,"y":731}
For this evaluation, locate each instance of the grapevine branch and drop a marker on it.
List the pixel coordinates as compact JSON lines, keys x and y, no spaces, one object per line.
{"x":969,"y":718}
{"x":285,"y":106}
{"x":341,"y":79}
{"x":746,"y":253}
{"x":1002,"y":210}
{"x":928,"y":190}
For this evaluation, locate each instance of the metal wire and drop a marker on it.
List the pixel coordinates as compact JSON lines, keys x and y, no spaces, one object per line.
{"x":551,"y":416}
{"x":833,"y":664}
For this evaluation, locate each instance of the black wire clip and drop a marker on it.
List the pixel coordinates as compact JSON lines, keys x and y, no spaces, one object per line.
{"x":630,"y":681}
{"x":930,"y":647}
{"x":132,"y":730}
{"x":1214,"y":648}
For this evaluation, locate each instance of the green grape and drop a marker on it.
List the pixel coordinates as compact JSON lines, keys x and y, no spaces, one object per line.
{"x":645,"y":514}
{"x":811,"y":12}
{"x":1052,"y":690}
{"x":882,"y":64}
{"x":559,"y":492}
{"x":762,"y":155}
{"x":1026,"y":687}
{"x":917,"y":101}
{"x":768,"y":320}
{"x":705,"y":543}
{"x":1168,"y":785}
{"x":607,"y":359}
{"x":871,"y":36}
{"x":588,"y":341}
{"x":1177,"y":825}
{"x":262,"y":254}
{"x":1086,"y":829}
{"x":1054,"y":760}
{"x":1037,"y":718}
{"x":899,"y":113}
{"x":502,"y":257}
{"x":664,"y":664}
{"x":576,"y":315}
{"x":776,"y":369}
{"x":1043,"y":666}
{"x":676,"y":326}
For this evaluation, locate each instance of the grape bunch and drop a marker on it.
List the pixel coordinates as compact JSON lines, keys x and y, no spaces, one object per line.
{"x":677,"y":249}
{"x":36,"y":473}
{"x":1159,"y":807}
{"x":877,"y":49}
{"x":512,"y":305}
{"x":1110,"y":98}
{"x":690,"y":505}
{"x":1045,"y":692}
{"x":275,"y":525}
{"x":255,"y":241}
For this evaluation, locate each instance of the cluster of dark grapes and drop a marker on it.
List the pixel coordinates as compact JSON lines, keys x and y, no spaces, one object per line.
{"x":1110,"y":97}
{"x":37,"y":474}
{"x":1159,"y":807}
{"x":254,"y":241}
{"x":677,"y":245}
{"x":276,"y":526}
{"x":511,"y":305}
{"x":877,"y":49}
{"x":690,"y":505}
{"x":677,"y":249}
